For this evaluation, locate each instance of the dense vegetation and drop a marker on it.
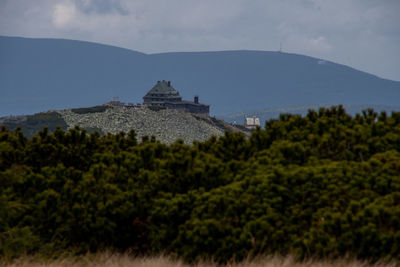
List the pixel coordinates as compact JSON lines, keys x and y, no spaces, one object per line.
{"x":323,"y":185}
{"x":90,"y":109}
{"x":36,"y":122}
{"x":32,"y":124}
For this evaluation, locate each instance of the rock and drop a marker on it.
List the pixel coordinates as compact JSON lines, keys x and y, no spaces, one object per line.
{"x":166,"y":125}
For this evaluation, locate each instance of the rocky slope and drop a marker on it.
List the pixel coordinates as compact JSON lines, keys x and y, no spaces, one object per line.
{"x":166,"y":125}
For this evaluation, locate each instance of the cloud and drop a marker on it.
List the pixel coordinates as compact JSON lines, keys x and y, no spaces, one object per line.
{"x":102,"y":6}
{"x":63,"y":14}
{"x":320,"y":44}
{"x":89,"y":18}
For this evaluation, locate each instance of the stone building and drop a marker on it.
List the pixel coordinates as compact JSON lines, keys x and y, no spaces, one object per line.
{"x":252,"y":123}
{"x":164,"y":95}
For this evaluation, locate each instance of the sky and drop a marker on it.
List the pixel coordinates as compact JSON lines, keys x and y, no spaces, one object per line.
{"x":363,"y":34}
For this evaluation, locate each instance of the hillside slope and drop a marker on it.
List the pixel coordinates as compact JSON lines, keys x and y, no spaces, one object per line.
{"x":165,"y":125}
{"x":43,"y":74}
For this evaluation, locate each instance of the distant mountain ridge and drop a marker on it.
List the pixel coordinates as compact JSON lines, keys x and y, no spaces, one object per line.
{"x":44,"y":74}
{"x":274,"y":113}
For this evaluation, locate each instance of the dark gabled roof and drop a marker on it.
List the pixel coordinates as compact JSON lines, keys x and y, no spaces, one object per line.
{"x":162,"y":88}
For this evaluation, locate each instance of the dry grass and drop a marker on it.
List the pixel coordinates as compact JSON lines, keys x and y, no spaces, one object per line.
{"x":119,"y":260}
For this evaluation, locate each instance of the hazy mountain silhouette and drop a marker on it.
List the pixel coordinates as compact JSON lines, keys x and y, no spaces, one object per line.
{"x":274,"y":113}
{"x":43,"y":74}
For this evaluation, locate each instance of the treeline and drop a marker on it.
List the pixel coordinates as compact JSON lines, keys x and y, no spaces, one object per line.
{"x":323,"y":185}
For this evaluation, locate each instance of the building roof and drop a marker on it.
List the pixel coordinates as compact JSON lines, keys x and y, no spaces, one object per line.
{"x":184,"y":102}
{"x":163,"y":87}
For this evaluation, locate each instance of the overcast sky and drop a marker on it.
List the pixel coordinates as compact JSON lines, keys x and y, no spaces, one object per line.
{"x":364,"y":34}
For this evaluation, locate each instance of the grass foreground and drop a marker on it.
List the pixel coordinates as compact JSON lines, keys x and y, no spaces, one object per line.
{"x":115,"y":260}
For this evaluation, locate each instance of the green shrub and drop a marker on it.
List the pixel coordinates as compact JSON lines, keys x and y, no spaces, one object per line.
{"x":325,"y":185}
{"x":90,"y":109}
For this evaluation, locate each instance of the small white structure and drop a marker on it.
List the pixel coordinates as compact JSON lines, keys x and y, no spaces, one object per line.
{"x":252,"y":123}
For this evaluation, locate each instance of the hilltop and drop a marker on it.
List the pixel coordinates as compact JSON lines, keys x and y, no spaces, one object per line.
{"x":45,"y":74}
{"x":166,"y":125}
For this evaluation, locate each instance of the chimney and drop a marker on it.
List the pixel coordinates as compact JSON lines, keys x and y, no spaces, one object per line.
{"x":196,"y":99}
{"x":169,"y":83}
